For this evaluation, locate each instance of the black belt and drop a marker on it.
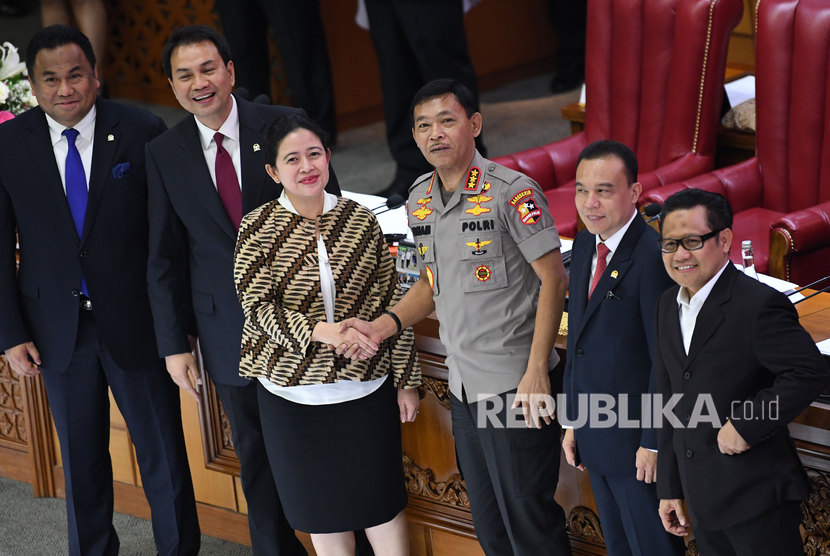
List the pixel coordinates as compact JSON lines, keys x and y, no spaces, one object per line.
{"x":85,"y":302}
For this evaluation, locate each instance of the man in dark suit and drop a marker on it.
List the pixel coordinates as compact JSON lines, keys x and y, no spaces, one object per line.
{"x":743,"y":366}
{"x":616,"y":277}
{"x":73,"y":187}
{"x":194,"y":218}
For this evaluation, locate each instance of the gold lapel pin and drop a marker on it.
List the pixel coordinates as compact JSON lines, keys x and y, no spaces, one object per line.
{"x":110,"y":137}
{"x":256,"y":147}
{"x":614,"y":274}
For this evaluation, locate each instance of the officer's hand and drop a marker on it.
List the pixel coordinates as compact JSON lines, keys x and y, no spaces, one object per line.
{"x":533,"y":395}
{"x":24,"y":359}
{"x":368,"y":329}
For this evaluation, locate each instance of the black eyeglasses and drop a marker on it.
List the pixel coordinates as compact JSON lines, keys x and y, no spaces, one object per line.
{"x":689,"y":243}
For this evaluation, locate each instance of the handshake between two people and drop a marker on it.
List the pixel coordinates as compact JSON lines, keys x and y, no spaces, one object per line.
{"x":351,"y":338}
{"x":358,"y":339}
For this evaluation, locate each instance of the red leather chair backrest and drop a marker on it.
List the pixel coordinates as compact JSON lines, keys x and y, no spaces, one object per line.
{"x":654,"y":72}
{"x":793,"y":136}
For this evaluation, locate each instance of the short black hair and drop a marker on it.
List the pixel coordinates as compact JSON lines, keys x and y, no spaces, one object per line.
{"x":55,"y":36}
{"x":193,"y":34}
{"x":441,"y":87}
{"x":608,"y":147}
{"x":718,"y":209}
{"x":286,"y":124}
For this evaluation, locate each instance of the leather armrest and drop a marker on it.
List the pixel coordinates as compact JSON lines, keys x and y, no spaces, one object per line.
{"x":809,"y":229}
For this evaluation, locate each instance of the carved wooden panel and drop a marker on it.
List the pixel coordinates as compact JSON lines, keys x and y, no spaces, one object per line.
{"x":12,"y":411}
{"x":217,"y":440}
{"x":138,"y":31}
{"x":816,"y":509}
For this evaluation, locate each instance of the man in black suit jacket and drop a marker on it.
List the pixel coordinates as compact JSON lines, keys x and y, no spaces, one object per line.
{"x":192,"y":240}
{"x":610,"y":334}
{"x":734,"y":350}
{"x":78,"y":310}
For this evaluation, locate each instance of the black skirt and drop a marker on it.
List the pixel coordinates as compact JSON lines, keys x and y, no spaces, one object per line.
{"x":338,"y":466}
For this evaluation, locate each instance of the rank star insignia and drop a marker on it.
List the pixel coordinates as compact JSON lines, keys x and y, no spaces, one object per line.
{"x":478,"y":246}
{"x":472,"y":179}
{"x":478,"y":200}
{"x":483,"y":273}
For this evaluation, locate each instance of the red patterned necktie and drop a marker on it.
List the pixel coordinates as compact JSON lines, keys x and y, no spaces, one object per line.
{"x":602,"y":264}
{"x":227,"y":183}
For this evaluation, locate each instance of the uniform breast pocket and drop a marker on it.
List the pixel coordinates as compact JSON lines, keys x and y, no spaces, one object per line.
{"x":482,"y":262}
{"x":425,"y":247}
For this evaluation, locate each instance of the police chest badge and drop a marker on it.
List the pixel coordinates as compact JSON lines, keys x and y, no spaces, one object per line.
{"x":525,"y":205}
{"x":477,"y":244}
{"x":483,"y":273}
{"x":423,"y":210}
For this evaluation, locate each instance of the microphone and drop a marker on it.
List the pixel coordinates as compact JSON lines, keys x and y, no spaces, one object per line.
{"x":394,"y":201}
{"x":652,"y":212}
{"x":810,"y":285}
{"x":822,"y":290}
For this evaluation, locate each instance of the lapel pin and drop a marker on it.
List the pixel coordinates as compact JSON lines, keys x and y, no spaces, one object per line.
{"x":256,"y":147}
{"x":614,"y":274}
{"x":110,"y":137}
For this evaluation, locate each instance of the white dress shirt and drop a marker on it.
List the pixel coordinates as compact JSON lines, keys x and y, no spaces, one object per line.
{"x":60,"y":144}
{"x":230,"y":129}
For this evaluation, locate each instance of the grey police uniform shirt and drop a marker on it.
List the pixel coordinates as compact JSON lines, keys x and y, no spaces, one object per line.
{"x":476,"y":252}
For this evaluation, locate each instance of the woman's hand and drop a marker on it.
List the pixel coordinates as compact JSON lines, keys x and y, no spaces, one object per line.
{"x":408,"y":401}
{"x":353,"y":344}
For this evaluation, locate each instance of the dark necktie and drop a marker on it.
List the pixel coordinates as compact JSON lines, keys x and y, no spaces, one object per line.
{"x":227,"y":183}
{"x":76,"y":190}
{"x":602,"y":264}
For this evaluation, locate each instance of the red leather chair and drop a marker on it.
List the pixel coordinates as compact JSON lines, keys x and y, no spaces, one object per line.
{"x":654,"y":81}
{"x":777,"y":196}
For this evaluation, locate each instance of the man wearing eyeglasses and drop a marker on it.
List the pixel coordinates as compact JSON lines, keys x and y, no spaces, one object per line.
{"x":734,"y":351}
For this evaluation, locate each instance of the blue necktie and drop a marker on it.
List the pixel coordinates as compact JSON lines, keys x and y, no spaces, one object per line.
{"x":76,"y":190}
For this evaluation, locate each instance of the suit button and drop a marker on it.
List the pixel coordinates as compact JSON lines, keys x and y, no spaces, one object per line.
{"x":76,"y":293}
{"x":579,"y":352}
{"x":687,"y":375}
{"x":82,"y":254}
{"x":689,"y":453}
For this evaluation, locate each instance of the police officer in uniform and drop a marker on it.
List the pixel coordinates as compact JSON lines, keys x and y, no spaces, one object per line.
{"x":490,"y":267}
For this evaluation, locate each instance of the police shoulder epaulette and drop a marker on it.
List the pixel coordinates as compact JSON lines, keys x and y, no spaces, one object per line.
{"x":503,"y":173}
{"x":420,"y":180}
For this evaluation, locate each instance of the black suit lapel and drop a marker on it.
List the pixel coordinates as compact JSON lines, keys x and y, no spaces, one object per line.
{"x":193,"y":166}
{"x":583,"y":248}
{"x":711,"y":316}
{"x":107,"y":136}
{"x":670,"y":321}
{"x":252,"y":129}
{"x":46,"y":176}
